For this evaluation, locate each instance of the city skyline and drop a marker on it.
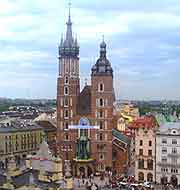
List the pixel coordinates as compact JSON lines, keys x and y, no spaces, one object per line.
{"x":141,"y":42}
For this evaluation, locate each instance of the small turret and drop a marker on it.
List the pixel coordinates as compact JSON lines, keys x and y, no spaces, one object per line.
{"x":102,"y":66}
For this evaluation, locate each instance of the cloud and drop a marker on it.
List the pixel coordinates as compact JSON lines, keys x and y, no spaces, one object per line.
{"x":141,"y":42}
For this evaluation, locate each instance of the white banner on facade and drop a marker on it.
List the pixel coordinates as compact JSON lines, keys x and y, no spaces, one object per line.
{"x":83,"y":127}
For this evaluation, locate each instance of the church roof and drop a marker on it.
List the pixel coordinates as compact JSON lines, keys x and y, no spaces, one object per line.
{"x":84,"y":104}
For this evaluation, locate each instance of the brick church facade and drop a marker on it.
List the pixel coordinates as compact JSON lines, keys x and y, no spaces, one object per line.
{"x":89,"y":150}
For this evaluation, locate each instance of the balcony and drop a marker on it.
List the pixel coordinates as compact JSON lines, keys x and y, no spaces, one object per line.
{"x":163,"y":164}
{"x":173,"y":155}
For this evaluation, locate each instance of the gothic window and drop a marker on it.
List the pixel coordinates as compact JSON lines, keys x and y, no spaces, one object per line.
{"x":66,"y":114}
{"x":66,"y":125}
{"x":66,"y":102}
{"x":100,"y":113}
{"x":100,"y":136}
{"x":66,"y":81}
{"x":101,"y":87}
{"x":101,"y":102}
{"x":101,"y":125}
{"x":66,"y":90}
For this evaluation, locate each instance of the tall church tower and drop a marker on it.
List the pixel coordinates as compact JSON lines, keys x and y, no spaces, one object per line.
{"x":68,"y":89}
{"x":102,"y":99}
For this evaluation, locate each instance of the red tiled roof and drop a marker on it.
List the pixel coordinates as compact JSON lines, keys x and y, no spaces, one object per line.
{"x":143,"y":122}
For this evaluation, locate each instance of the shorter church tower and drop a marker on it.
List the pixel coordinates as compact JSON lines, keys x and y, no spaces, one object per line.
{"x":102,"y":99}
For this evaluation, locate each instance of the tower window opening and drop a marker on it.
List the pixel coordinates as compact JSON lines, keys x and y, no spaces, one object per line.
{"x":66,"y":80}
{"x":101,"y":102}
{"x":66,"y":90}
{"x":101,"y":87}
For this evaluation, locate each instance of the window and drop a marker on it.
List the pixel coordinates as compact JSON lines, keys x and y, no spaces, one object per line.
{"x":66,"y":115}
{"x":150,"y":164}
{"x":140,"y":152}
{"x":66,"y":90}
{"x":101,"y":102}
{"x":149,"y":152}
{"x":100,"y":136}
{"x":141,"y":164}
{"x":101,"y":87}
{"x":66,"y":125}
{"x":101,"y":156}
{"x":66,"y":81}
{"x":164,"y":160}
{"x":164,"y":141}
{"x":65,"y":102}
{"x":66,"y":137}
{"x":150,"y":143}
{"x":164,"y":150}
{"x":174,"y":150}
{"x":174,"y":161}
{"x":100,"y":113}
{"x":174,"y":141}
{"x":141,"y":143}
{"x":101,"y":125}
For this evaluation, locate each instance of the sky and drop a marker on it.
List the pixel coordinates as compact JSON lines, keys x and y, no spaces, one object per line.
{"x":143,"y":45}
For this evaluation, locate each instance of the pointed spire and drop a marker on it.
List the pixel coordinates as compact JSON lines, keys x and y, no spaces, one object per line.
{"x":61,"y":40}
{"x":103,"y":48}
{"x":69,"y":38}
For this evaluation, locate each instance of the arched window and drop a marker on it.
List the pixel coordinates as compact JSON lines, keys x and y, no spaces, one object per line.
{"x":66,"y":125}
{"x":101,"y":102}
{"x":66,"y":80}
{"x":100,"y":136}
{"x":150,"y":177}
{"x":101,"y":125}
{"x":101,"y":87}
{"x":66,"y":90}
{"x":140,"y":176}
{"x":66,"y":114}
{"x":66,"y":102}
{"x":100,"y":113}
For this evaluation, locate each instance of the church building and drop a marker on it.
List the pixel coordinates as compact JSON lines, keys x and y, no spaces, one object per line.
{"x":88,"y":150}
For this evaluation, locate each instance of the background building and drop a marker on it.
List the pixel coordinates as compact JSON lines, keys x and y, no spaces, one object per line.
{"x":18,"y":138}
{"x":168,"y":153}
{"x":144,"y":142}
